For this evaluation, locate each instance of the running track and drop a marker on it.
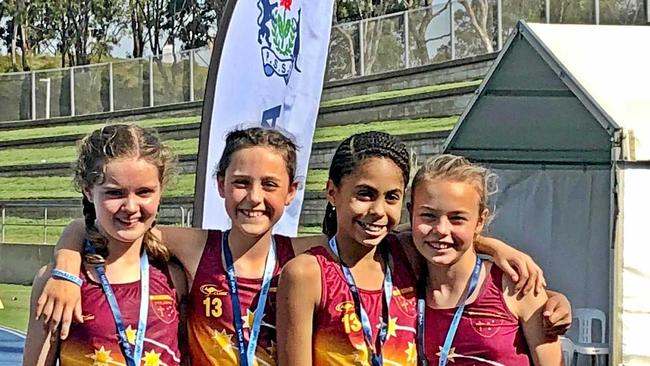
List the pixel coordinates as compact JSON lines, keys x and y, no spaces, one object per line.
{"x":11,"y":347}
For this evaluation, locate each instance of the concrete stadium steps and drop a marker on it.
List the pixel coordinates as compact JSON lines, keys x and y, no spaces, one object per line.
{"x":130,"y":115}
{"x":441,"y":73}
{"x":422,"y":144}
{"x":439,"y":103}
{"x":376,"y":98}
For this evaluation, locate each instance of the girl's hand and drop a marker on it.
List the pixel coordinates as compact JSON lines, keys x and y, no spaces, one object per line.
{"x":519,"y":266}
{"x":557,"y":314}
{"x":58,"y":304}
{"x":59,"y":301}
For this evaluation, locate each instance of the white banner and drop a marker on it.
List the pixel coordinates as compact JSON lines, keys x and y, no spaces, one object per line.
{"x":270,"y":73}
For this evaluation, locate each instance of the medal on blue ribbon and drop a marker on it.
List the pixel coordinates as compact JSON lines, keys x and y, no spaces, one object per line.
{"x":453,"y":327}
{"x":132,"y":355}
{"x":375,"y":352}
{"x":247,"y":352}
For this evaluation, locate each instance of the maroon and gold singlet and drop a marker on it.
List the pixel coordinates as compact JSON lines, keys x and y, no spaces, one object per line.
{"x":338,"y":337}
{"x":488,"y":332}
{"x":211,"y":331}
{"x":95,"y":341}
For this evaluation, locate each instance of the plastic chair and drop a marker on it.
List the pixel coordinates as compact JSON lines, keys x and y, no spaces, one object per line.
{"x":568,"y":350}
{"x":585,"y":317}
{"x":594,"y":349}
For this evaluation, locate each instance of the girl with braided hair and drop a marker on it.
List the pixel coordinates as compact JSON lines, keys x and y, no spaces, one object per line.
{"x":130,"y":295}
{"x":231,"y":274}
{"x":352,"y":301}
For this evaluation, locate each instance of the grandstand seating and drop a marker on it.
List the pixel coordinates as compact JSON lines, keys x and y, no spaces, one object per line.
{"x":35,"y":157}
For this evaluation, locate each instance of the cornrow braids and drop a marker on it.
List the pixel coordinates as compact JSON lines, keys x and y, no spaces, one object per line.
{"x":111,"y":142}
{"x":240,"y":139}
{"x":352,"y":152}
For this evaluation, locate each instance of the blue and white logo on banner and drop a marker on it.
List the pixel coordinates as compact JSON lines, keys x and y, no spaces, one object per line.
{"x":279,"y":37}
{"x":271,"y":71}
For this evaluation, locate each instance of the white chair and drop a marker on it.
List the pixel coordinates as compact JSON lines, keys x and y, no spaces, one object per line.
{"x":585,"y":317}
{"x":568,"y":350}
{"x":595,"y":349}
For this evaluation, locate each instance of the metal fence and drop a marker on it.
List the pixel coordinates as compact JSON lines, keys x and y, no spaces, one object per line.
{"x":447,"y":30}
{"x":40,"y":224}
{"x":444,"y":30}
{"x":105,"y":87}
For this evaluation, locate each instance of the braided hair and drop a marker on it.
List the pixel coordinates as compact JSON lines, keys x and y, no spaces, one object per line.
{"x":352,"y":152}
{"x":118,"y":141}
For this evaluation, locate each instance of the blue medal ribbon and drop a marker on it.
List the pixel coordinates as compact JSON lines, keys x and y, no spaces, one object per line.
{"x":131,"y":355}
{"x":375,"y":352}
{"x":247,"y":353}
{"x":453,"y":327}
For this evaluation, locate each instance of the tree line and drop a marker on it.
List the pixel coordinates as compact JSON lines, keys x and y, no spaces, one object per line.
{"x":85,"y":31}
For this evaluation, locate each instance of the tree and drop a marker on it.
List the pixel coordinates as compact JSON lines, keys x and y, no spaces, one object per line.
{"x":19,"y":13}
{"x":478,"y":13}
{"x":191,"y":21}
{"x":382,"y":39}
{"x":418,"y":23}
{"x":136,"y":15}
{"x":622,"y":12}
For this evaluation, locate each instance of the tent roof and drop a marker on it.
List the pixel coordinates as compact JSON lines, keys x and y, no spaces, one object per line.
{"x":559,"y":93}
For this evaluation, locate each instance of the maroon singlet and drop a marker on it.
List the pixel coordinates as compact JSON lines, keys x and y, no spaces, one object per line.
{"x":95,"y":341}
{"x":211,"y":331}
{"x":338,"y":338}
{"x":488,"y":332}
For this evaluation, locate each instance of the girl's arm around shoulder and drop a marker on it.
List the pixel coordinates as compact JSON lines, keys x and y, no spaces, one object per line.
{"x":528,"y":307}
{"x":41,"y":347}
{"x":59,"y":301}
{"x":299,"y":296}
{"x":178,"y":280}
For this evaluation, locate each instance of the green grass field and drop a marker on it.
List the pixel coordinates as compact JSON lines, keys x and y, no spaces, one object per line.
{"x":15,"y":299}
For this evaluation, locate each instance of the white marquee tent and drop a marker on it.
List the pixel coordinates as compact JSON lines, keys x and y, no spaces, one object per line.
{"x":563,"y":117}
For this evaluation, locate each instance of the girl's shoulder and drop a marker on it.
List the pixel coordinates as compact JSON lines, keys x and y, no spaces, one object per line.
{"x":521,"y":304}
{"x":302,"y":269}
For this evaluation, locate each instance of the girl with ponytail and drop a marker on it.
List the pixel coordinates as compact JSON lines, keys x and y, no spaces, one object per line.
{"x":129,"y":295}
